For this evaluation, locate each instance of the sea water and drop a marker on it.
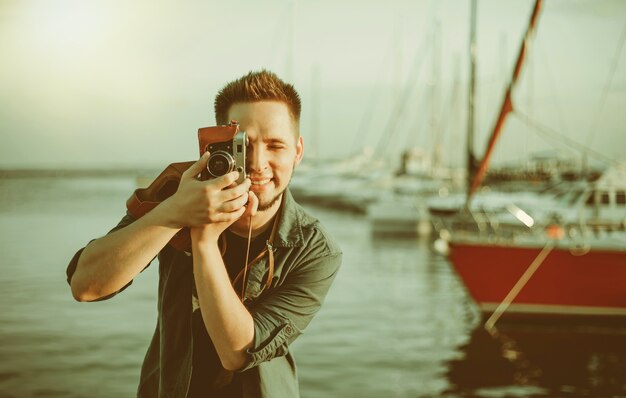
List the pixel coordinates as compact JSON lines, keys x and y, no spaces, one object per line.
{"x":396,"y":323}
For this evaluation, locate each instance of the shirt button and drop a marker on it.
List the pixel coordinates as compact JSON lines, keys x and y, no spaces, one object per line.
{"x":288,"y":330}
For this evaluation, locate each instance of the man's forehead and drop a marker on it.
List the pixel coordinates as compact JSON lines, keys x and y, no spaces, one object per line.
{"x":258,"y":108}
{"x":271,"y":118}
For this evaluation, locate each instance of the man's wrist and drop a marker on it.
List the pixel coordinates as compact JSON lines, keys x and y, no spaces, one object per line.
{"x":164,"y":214}
{"x":205,"y":246}
{"x":203,"y":238}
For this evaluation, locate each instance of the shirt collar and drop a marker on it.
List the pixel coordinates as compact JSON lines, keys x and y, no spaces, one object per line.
{"x":289,"y":232}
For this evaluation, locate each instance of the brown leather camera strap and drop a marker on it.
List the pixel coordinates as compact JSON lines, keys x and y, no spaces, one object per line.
{"x":269,"y":249}
{"x":144,"y":200}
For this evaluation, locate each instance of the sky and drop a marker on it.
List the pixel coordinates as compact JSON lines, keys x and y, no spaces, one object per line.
{"x":111,"y":83}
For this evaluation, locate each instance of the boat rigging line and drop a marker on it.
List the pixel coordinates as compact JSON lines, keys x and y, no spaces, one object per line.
{"x":396,"y":114}
{"x":607,"y":86}
{"x":563,"y":139}
{"x":519,"y":285}
{"x":361,"y":134}
{"x":549,"y":74}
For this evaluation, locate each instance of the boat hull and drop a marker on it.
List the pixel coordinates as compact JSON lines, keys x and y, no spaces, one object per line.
{"x":568,"y":282}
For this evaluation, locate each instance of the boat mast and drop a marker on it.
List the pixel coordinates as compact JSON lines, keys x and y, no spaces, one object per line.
{"x":471,"y":160}
{"x":435,"y":118}
{"x":507,"y":105}
{"x":291,"y":41}
{"x":315,"y":112}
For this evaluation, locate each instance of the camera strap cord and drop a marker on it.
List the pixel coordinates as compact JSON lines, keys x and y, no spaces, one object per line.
{"x":269,"y":250}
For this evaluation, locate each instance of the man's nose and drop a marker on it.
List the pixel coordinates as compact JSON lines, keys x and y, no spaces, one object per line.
{"x":257,"y":159}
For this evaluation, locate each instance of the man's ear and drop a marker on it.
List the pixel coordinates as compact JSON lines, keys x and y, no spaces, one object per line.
{"x":299,"y":150}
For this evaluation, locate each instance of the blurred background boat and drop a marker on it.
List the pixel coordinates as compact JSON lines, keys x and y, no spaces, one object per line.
{"x":539,"y":254}
{"x":582,"y":232}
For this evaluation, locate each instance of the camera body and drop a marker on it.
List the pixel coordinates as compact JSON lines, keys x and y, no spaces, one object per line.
{"x":227,"y":147}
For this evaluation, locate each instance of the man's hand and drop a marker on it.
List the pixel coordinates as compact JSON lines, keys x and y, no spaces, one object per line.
{"x":209,"y":207}
{"x":210,"y":232}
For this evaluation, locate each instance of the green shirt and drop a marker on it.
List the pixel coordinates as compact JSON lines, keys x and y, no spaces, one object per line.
{"x":306,"y":260}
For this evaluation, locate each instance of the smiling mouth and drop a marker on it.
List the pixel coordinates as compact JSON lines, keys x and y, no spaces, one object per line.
{"x":261,"y":182}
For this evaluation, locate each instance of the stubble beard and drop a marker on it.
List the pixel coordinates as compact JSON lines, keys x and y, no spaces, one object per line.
{"x":272,"y":202}
{"x":268,"y":205}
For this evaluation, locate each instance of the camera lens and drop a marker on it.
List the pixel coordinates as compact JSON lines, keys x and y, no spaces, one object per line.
{"x":220,"y":163}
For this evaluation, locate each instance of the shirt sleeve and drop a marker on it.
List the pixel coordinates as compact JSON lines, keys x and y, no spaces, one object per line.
{"x":71,"y":268}
{"x":283,"y":315}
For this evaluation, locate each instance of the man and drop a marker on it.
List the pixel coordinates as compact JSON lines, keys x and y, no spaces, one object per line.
{"x":212,"y":340}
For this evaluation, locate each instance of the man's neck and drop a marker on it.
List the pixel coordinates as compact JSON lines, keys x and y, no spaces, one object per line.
{"x":261,"y":221}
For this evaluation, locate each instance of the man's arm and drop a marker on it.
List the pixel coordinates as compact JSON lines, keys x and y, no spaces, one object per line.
{"x":107,"y":264}
{"x":226,"y":319}
{"x":244,"y":337}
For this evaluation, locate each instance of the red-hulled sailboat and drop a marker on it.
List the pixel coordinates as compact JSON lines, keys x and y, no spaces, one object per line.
{"x":572,"y":263}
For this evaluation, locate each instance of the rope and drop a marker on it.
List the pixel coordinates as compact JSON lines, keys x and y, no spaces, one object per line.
{"x":607,"y":86}
{"x":361,"y":134}
{"x":563,"y":139}
{"x":387,"y":134}
{"x":551,"y":80}
{"x":504,"y":305}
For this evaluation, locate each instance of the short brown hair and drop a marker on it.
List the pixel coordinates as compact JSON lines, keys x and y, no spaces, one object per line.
{"x":257,"y":86}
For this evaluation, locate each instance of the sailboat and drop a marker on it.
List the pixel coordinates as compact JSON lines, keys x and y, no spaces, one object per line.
{"x":401,"y":210}
{"x":579,"y":256}
{"x":569,"y":262}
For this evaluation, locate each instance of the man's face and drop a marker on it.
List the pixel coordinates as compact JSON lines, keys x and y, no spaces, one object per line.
{"x":273,"y":151}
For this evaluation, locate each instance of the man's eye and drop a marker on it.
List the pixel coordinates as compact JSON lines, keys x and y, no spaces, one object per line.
{"x":275,"y":146}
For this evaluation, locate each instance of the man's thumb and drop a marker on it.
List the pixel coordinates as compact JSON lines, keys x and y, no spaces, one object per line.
{"x":197,"y":167}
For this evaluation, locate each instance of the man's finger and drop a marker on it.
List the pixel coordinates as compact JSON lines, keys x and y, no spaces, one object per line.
{"x":234,"y":204}
{"x":236,"y":191}
{"x":252,"y":205}
{"x":232,"y":216}
{"x":197,"y":167}
{"x":225,"y":180}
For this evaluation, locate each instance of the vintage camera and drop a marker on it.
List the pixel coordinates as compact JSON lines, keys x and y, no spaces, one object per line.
{"x":227,"y":146}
